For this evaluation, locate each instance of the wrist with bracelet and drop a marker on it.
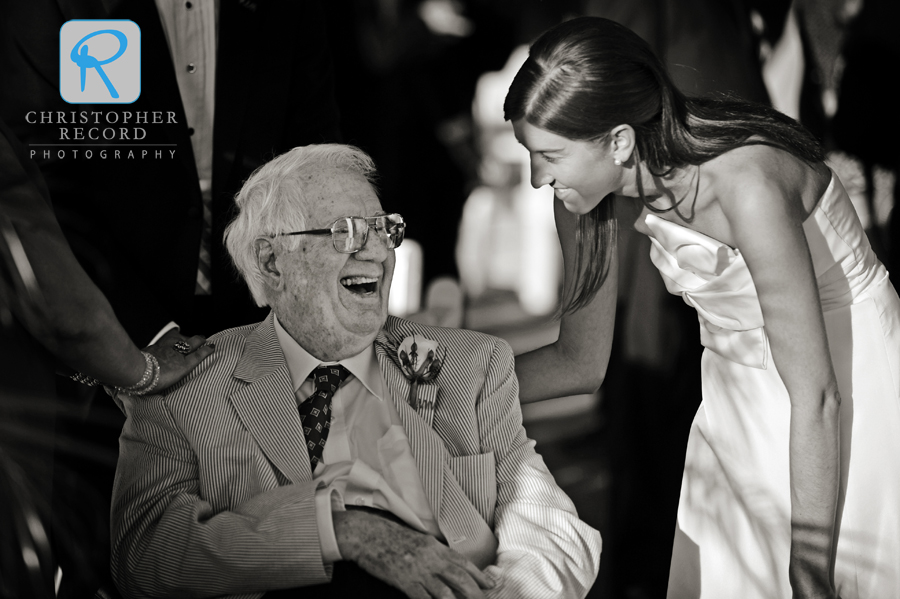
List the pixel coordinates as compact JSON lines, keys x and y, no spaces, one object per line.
{"x":147,"y":383}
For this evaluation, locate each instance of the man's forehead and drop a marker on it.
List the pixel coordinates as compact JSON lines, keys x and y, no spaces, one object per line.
{"x":331,"y":176}
{"x":334,"y":192}
{"x":338,"y":182}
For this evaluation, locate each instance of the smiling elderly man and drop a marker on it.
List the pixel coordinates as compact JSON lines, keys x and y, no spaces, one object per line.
{"x":303,"y":453}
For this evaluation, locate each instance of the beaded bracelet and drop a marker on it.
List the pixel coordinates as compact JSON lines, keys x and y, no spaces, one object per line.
{"x":144,"y":386}
{"x":149,"y":379}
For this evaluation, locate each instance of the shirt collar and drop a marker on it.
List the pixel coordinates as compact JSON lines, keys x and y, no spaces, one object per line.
{"x":364,"y":365}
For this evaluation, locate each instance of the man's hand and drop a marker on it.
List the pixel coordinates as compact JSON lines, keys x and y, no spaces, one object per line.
{"x":174,"y":365}
{"x":416,"y":563}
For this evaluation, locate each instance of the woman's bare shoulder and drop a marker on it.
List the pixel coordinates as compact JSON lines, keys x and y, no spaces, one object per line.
{"x":749,"y":171}
{"x":755,"y":164}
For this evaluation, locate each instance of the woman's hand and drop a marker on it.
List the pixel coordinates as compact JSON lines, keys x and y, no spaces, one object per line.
{"x":173,"y":364}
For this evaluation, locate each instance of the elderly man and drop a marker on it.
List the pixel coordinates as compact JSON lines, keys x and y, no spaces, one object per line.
{"x":395,"y":470}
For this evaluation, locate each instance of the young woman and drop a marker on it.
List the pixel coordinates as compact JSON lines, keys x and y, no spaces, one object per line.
{"x":792,"y":477}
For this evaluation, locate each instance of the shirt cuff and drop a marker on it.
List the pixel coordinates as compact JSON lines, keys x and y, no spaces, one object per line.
{"x":328,"y":499}
{"x":163,"y":331}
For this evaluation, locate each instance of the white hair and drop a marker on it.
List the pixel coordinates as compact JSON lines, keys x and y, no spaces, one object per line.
{"x":274,"y":200}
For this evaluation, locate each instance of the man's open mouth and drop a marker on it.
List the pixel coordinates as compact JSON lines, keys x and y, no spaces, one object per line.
{"x":360,"y":285}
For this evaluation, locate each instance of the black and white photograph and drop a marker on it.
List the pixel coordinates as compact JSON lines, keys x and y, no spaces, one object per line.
{"x":436,"y":299}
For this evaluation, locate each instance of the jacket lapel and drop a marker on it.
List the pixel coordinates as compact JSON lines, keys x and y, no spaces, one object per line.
{"x":459,"y":521}
{"x":427,"y":447}
{"x":267,"y":407}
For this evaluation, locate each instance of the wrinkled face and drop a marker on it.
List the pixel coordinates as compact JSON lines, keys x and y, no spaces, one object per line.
{"x":581,"y":173}
{"x":334,"y":304}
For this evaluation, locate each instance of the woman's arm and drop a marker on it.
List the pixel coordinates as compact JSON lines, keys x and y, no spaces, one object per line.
{"x":70,"y":316}
{"x":765,"y":212}
{"x":576,"y":362}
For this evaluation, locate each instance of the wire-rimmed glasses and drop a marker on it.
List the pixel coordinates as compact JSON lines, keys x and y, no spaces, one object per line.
{"x":349,"y":233}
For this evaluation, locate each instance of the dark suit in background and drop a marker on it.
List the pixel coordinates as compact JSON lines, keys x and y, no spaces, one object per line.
{"x":135,"y":224}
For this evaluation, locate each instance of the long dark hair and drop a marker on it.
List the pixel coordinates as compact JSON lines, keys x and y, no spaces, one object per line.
{"x":588,"y":75}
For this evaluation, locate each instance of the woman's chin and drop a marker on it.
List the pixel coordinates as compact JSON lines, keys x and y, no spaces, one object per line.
{"x":579,"y":206}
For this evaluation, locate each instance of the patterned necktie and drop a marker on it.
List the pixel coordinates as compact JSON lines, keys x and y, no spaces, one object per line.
{"x":315,"y":411}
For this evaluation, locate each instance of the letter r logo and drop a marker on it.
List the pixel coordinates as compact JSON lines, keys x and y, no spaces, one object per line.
{"x":99,"y":61}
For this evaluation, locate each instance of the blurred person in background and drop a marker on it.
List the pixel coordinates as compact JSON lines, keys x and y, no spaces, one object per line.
{"x":793,"y":459}
{"x":833,"y":56}
{"x":851,"y":49}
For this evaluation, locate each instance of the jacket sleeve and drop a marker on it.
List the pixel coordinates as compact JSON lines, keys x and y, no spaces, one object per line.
{"x":544,"y":549}
{"x":168,"y":540}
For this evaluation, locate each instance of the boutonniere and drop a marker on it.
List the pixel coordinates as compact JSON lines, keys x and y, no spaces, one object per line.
{"x":421,"y":361}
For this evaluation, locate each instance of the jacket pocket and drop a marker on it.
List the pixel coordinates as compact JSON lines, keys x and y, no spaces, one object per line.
{"x":477,"y":477}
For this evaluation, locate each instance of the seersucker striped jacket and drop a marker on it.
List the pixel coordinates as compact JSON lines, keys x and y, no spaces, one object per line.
{"x":214,"y":497}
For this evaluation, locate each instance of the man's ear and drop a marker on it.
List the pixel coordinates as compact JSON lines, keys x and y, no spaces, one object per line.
{"x":266,"y":262}
{"x":622,"y":141}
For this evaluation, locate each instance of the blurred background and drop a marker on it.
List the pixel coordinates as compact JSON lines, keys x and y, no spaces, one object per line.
{"x":420,"y":85}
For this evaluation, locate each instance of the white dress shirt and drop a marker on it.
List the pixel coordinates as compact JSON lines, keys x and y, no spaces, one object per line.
{"x":190,"y":28}
{"x":367,"y":460}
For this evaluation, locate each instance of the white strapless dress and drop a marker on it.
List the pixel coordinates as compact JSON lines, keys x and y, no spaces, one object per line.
{"x":733,"y":534}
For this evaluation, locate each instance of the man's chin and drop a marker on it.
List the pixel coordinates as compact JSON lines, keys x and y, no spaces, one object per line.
{"x":359,"y":328}
{"x":368,"y":325}
{"x":334,"y":346}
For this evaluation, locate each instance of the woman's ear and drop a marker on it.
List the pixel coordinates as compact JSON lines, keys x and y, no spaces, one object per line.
{"x":266,"y":262}
{"x":622,"y":140}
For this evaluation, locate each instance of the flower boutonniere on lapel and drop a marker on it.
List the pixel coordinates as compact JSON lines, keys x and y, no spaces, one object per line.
{"x":421,"y":361}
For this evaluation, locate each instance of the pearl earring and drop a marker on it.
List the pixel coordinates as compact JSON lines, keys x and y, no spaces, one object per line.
{"x":617,"y":162}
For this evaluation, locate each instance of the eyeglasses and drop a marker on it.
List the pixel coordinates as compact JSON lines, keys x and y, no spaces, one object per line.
{"x":349,"y":233}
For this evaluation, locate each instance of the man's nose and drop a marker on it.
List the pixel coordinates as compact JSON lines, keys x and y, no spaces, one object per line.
{"x":375,"y":248}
